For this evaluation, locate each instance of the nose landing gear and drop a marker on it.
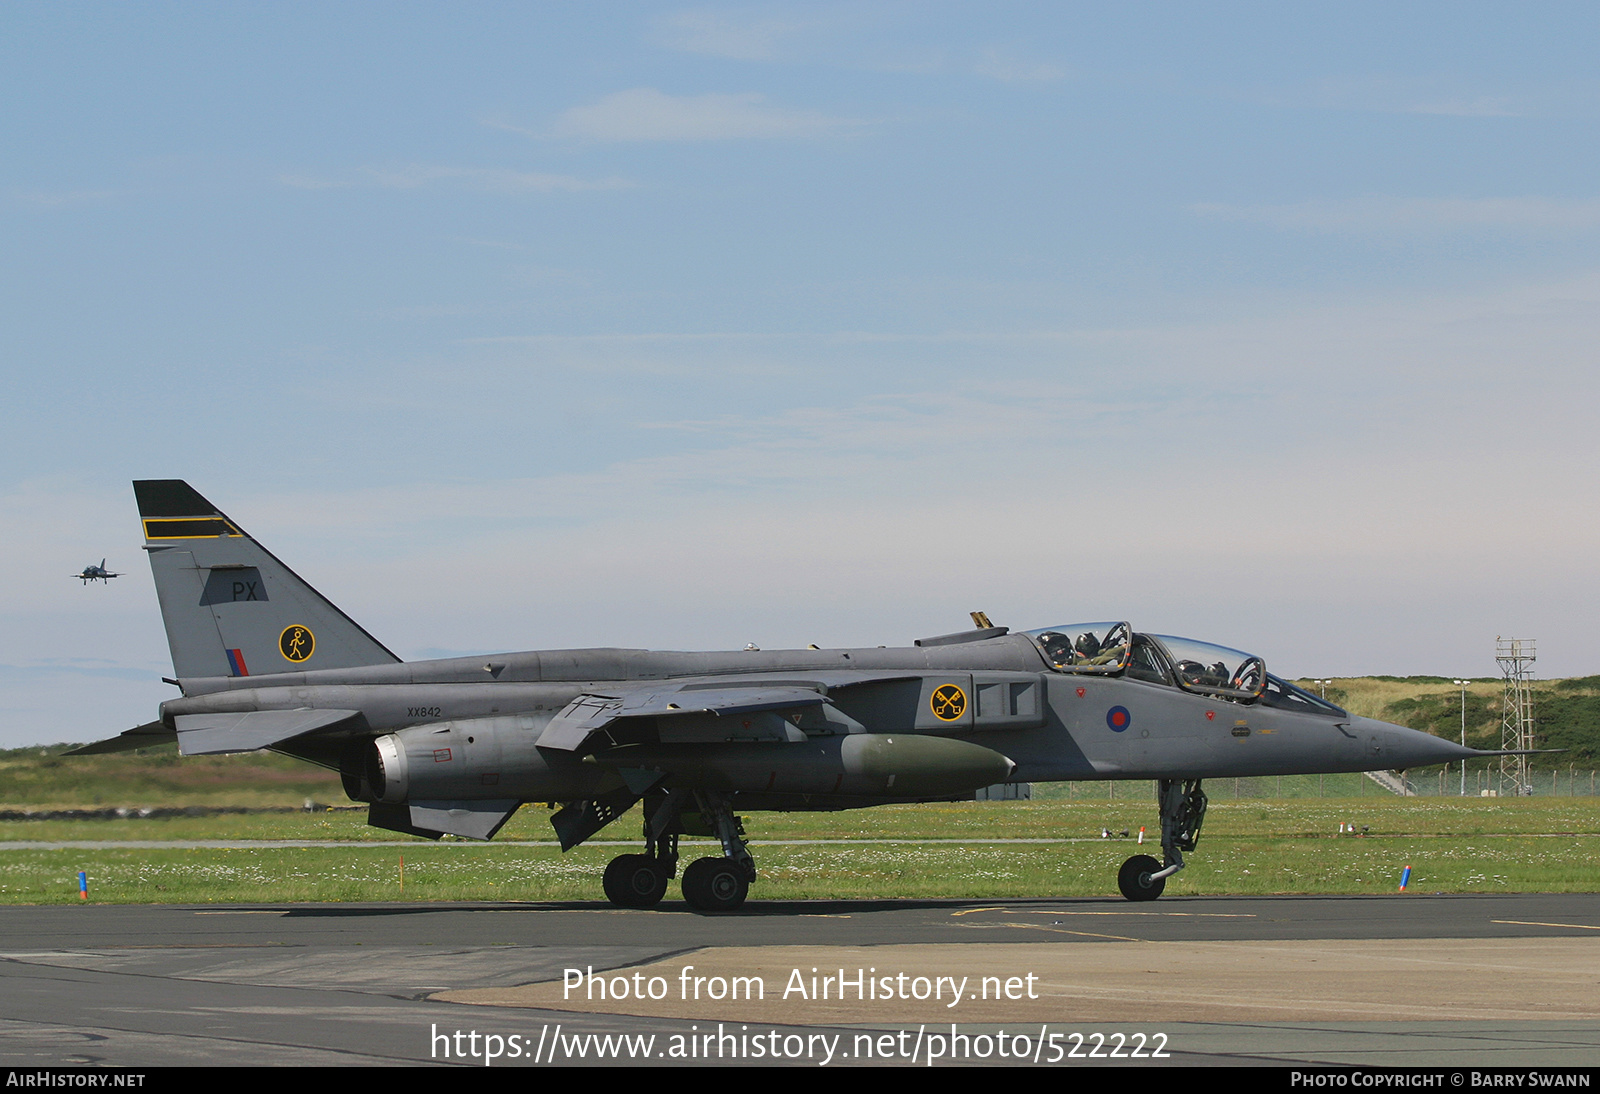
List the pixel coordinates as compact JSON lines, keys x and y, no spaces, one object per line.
{"x":1183,"y":810}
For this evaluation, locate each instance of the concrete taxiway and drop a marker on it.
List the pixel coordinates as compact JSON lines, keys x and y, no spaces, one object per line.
{"x":1466,"y":981}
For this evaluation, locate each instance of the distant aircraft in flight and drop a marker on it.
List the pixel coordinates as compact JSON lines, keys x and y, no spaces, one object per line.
{"x":96,"y":573}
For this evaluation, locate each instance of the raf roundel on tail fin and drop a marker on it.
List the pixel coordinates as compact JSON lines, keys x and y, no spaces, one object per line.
{"x":230,"y":607}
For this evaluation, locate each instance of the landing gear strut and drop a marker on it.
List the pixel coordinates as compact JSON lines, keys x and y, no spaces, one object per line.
{"x":1183,"y":810}
{"x":640,"y":881}
{"x":719,"y":884}
{"x":709,"y":884}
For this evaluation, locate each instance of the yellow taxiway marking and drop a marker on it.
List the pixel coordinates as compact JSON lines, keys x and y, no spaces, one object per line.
{"x":1533,"y":923}
{"x":1046,"y":911}
{"x":1051,"y":930}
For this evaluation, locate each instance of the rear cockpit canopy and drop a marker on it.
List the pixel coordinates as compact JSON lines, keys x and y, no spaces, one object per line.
{"x":1214,"y":670}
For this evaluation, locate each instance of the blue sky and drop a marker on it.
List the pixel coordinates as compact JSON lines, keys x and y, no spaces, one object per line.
{"x":523,"y":326}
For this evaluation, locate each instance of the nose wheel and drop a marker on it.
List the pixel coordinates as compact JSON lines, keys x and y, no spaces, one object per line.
{"x":1135,"y":881}
{"x":1183,"y":810}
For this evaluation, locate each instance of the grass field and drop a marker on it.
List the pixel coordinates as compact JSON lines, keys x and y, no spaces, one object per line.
{"x":42,"y":778}
{"x":1249,"y":847}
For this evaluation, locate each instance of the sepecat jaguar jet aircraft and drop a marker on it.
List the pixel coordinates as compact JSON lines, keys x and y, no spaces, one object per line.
{"x":455,"y":746}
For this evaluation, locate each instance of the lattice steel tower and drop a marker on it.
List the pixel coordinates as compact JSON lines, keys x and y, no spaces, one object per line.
{"x":1516,"y":657}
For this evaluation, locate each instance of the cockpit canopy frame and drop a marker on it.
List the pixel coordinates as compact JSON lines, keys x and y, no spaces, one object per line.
{"x":1210,"y":669}
{"x":1096,"y":648}
{"x":1112,"y":648}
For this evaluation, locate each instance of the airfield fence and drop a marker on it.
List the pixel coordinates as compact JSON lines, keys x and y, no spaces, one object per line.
{"x":1560,"y":783}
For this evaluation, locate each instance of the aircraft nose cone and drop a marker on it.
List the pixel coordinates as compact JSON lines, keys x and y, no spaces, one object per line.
{"x":1399,"y":747}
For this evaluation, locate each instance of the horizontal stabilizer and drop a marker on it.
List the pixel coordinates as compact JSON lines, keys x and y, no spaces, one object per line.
{"x":146,"y":736}
{"x":214,"y":734}
{"x":469,"y":819}
{"x":397,"y":818}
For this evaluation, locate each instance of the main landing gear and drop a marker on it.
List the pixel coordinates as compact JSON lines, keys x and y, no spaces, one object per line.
{"x":637,"y":881}
{"x":1183,"y":810}
{"x":715,"y":884}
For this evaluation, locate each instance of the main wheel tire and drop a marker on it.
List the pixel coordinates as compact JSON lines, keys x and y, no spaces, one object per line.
{"x":634,"y":881}
{"x":715,"y":885}
{"x":1135,"y":881}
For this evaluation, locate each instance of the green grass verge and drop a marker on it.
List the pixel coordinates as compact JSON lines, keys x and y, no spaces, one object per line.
{"x":1294,"y":818}
{"x":1249,"y":847}
{"x":43,"y":778}
{"x":455,"y":872}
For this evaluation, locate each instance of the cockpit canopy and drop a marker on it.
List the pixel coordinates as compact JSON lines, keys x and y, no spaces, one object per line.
{"x":1086,"y":647}
{"x":1113,"y":648}
{"x":1214,"y":670}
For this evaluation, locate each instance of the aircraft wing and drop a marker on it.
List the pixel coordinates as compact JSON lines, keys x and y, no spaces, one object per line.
{"x":215,"y":734}
{"x":826,"y":681}
{"x":571,"y":729}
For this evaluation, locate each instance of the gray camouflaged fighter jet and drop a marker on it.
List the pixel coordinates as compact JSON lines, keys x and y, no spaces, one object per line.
{"x":455,"y":746}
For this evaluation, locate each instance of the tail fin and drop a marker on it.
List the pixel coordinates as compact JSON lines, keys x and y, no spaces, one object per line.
{"x":230,"y":607}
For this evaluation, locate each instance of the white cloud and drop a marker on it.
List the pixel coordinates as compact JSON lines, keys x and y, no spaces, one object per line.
{"x":1389,"y":214}
{"x":646,"y":114}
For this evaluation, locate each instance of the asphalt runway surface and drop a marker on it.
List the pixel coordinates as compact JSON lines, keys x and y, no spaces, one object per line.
{"x":1397,"y":980}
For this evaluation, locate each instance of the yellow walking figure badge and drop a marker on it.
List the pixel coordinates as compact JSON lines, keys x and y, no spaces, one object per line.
{"x":297,"y":643}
